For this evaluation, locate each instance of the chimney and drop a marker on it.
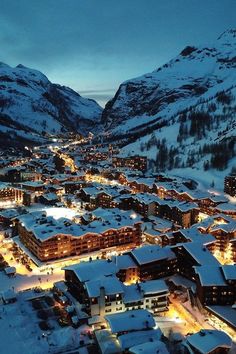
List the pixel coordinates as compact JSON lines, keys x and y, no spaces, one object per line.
{"x":102,"y":301}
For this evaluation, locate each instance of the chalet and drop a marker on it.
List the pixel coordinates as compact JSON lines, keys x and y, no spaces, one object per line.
{"x":191,"y":254}
{"x":208,"y":341}
{"x":223,"y":228}
{"x":50,"y":239}
{"x":193,"y":235}
{"x":142,"y":185}
{"x":72,"y":187}
{"x":208,"y":203}
{"x":145,"y":204}
{"x":102,"y":292}
{"x":216,"y":285}
{"x":154,"y":262}
{"x":128,"y":331}
{"x":227,"y":209}
{"x":127,"y":269}
{"x":36,"y":187}
{"x":184,"y":214}
{"x":49,"y":199}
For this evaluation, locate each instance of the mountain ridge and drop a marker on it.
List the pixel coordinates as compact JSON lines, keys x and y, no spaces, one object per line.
{"x":31,"y":101}
{"x":163,"y":85}
{"x":181,"y":115}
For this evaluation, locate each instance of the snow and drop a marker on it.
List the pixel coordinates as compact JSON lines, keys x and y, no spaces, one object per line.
{"x":164,"y":93}
{"x":130,"y":321}
{"x":210,"y":275}
{"x":22,"y":282}
{"x":110,"y":284}
{"x":31,"y":106}
{"x":20,"y":332}
{"x":153,"y":287}
{"x":206,"y":341}
{"x":200,"y":253}
{"x":226,"y":313}
{"x":139,"y":337}
{"x":229,"y":272}
{"x":89,"y":271}
{"x":149,"y":347}
{"x":151,"y":253}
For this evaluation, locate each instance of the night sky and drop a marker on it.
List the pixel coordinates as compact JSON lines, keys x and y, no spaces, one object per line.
{"x":94,"y":45}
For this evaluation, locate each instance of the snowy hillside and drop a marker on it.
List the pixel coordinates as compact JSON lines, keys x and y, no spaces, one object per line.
{"x":30,"y":103}
{"x":174,"y":113}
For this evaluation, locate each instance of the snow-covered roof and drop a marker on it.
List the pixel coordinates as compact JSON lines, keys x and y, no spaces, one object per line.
{"x":151,"y":253}
{"x":8,"y":295}
{"x":205,"y":341}
{"x":4,"y":185}
{"x":147,"y":198}
{"x":132,"y":294}
{"x":124,"y":261}
{"x":50,"y":196}
{"x":227,"y":313}
{"x":88,"y":271}
{"x":155,"y":346}
{"x":107,"y":341}
{"x":210,"y":275}
{"x":224,"y":207}
{"x":229,"y":271}
{"x":200,"y":253}
{"x":10,"y":270}
{"x":45,"y":227}
{"x":139,"y":337}
{"x":153,"y":286}
{"x":195,"y":236}
{"x":61,"y":286}
{"x":9,"y":213}
{"x":110,"y":284}
{"x":33,"y":184}
{"x":134,"y":320}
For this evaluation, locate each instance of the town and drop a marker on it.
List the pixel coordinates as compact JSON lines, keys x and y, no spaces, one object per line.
{"x":104,"y":256}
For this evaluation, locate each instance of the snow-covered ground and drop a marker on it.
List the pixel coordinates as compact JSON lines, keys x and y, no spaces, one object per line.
{"x":20,"y":332}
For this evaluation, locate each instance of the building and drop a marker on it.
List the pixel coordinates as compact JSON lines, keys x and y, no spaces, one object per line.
{"x":9,"y":194}
{"x":50,"y":239}
{"x":191,"y":254}
{"x":131,"y":162}
{"x":230,"y":185}
{"x":97,"y":287}
{"x":208,"y":341}
{"x":183,"y":214}
{"x":154,"y":262}
{"x":216,"y":285}
{"x":127,"y":269}
{"x":130,"y":332}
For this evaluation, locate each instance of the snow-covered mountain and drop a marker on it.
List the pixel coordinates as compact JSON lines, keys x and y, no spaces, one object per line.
{"x":189,"y":102}
{"x":30,"y":103}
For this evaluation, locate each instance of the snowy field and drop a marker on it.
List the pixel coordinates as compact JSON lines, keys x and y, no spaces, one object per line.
{"x":21,"y":334}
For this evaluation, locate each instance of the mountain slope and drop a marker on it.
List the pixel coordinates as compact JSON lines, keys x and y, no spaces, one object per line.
{"x":183,"y":114}
{"x":194,"y":73}
{"x":29,"y":102}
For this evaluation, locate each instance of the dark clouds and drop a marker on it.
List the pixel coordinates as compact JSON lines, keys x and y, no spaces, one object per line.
{"x":95,"y":44}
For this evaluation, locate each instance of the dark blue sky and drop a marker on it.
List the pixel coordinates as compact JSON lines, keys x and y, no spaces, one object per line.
{"x":94,"y":45}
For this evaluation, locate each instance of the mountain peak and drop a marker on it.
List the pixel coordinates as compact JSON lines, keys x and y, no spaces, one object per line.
{"x":44,"y":106}
{"x":3,"y":65}
{"x":228,"y":35}
{"x":20,"y":66}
